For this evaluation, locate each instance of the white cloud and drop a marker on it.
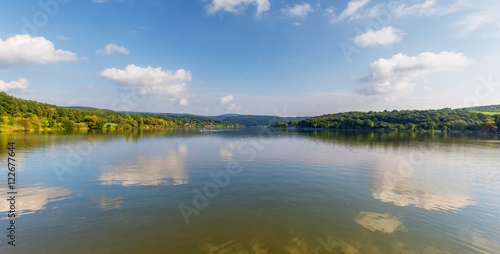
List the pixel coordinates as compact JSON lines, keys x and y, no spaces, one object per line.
{"x":479,"y":16}
{"x":297,"y":24}
{"x":24,"y":49}
{"x":150,"y":80}
{"x":226,"y":99}
{"x":395,"y":75}
{"x":99,"y":1}
{"x":385,"y":36}
{"x":478,"y":20}
{"x":184,"y":102}
{"x":22,"y":83}
{"x":299,"y":10}
{"x":352,"y":8}
{"x":233,"y":108}
{"x":237,"y":6}
{"x":424,"y":8}
{"x":113,"y":48}
{"x":474,"y":21}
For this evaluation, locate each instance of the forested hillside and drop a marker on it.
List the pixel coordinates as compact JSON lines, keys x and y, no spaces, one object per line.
{"x":486,"y":109}
{"x":18,"y":114}
{"x":411,"y":120}
{"x":252,"y":120}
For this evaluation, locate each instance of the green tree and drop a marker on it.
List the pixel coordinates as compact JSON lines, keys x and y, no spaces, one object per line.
{"x":68,"y":125}
{"x":94,"y":122}
{"x":25,"y":123}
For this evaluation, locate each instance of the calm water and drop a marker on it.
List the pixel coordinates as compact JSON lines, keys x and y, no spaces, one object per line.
{"x":253,"y":191}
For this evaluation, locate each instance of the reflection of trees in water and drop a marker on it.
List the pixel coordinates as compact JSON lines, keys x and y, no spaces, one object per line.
{"x":26,"y":141}
{"x":392,"y":139}
{"x":29,"y":140}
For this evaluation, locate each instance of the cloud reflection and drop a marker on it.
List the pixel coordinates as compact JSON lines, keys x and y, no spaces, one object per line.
{"x":32,"y":199}
{"x":149,"y":170}
{"x":108,"y":203}
{"x":384,"y":223}
{"x":226,"y":152}
{"x":402,"y":184}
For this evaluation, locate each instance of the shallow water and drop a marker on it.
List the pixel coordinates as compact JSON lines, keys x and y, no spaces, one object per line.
{"x":253,"y":191}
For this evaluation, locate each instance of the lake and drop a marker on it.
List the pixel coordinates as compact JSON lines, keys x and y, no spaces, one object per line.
{"x":252,"y":191}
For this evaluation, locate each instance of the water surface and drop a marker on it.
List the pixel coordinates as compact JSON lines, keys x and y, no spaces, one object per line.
{"x":253,"y":191}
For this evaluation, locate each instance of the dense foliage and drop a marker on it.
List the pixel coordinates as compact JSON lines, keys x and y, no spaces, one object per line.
{"x":19,"y":114}
{"x":411,"y":120}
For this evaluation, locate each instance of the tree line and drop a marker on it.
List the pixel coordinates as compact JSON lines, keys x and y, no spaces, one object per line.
{"x":18,"y":114}
{"x":408,"y":120}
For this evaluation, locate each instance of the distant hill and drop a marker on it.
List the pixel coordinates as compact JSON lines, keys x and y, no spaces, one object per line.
{"x":255,"y":120}
{"x":80,"y":107}
{"x":170,"y":114}
{"x":491,"y":108}
{"x":247,"y":120}
{"x":222,"y":117}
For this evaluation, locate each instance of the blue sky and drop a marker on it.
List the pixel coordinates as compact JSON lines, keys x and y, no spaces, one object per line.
{"x":291,"y":58}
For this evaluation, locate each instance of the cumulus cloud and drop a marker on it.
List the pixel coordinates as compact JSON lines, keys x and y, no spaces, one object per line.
{"x":395,"y":75}
{"x":226,"y":99}
{"x":22,"y":83}
{"x":299,"y":10}
{"x":385,"y":36}
{"x":237,"y":6}
{"x":352,"y":8}
{"x":113,"y":48}
{"x":150,"y":80}
{"x":24,"y":49}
